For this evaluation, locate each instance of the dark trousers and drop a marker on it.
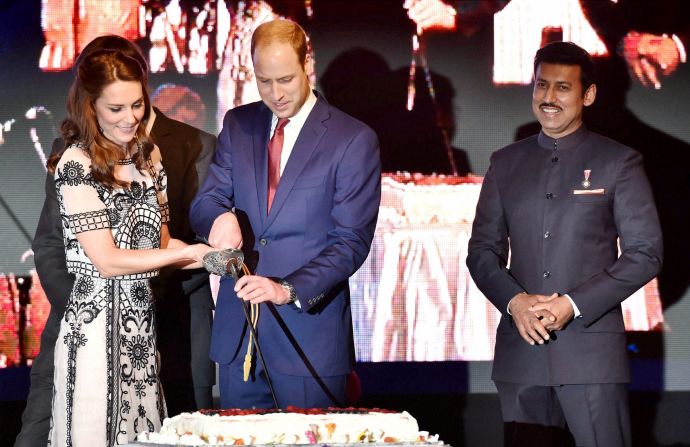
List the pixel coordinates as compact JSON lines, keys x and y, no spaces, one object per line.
{"x":184,"y":320}
{"x":201,"y":324}
{"x":297,"y":391}
{"x":36,"y":416}
{"x":597,"y":415}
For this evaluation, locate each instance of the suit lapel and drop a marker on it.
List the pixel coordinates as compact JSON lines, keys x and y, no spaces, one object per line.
{"x":262,"y":127}
{"x":175,"y":150}
{"x":160,"y":133}
{"x":309,"y":137}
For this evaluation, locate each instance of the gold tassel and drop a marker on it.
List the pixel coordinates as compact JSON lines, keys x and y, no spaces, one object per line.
{"x":254,"y":317}
{"x":247,"y":365}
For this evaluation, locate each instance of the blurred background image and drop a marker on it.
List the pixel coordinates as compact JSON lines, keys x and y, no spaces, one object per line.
{"x":444,"y":84}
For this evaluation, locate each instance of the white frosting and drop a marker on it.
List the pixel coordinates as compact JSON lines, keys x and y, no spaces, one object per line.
{"x":287,"y":428}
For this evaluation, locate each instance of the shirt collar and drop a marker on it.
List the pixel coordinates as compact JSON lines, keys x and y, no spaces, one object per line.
{"x":300,"y":117}
{"x":566,"y":142}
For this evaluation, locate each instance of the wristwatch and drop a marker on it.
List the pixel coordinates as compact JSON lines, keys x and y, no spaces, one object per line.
{"x":291,"y":290}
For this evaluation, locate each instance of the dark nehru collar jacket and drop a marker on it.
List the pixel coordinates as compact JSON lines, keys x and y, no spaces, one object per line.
{"x":563,"y":234}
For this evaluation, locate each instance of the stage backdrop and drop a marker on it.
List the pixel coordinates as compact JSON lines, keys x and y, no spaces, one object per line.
{"x":413,"y":299}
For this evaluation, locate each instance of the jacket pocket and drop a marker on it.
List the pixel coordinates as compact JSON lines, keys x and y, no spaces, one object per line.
{"x":594,"y":199}
{"x":610,"y":322}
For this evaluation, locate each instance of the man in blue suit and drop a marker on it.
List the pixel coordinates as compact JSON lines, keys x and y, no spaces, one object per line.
{"x":297,"y":184}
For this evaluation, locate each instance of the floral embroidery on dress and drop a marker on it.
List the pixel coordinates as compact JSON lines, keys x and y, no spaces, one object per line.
{"x":107,"y":343}
{"x":72,"y":173}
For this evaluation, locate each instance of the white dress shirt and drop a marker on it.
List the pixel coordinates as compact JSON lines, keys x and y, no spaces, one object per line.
{"x":292,"y":129}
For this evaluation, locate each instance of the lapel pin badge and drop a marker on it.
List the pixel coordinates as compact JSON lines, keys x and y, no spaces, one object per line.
{"x":586,"y":183}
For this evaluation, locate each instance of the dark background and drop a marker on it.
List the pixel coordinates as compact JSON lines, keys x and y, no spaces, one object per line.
{"x":363,"y":51}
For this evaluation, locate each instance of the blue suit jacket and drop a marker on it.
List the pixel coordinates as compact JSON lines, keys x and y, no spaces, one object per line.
{"x":316,"y":236}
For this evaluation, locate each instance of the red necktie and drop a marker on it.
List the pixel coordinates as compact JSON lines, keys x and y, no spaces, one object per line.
{"x":275,"y":148}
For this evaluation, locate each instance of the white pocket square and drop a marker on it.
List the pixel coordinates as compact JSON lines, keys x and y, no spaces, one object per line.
{"x":589,"y":191}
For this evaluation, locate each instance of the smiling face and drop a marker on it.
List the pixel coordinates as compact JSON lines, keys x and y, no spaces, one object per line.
{"x":557,"y":99}
{"x":282,"y":81}
{"x":119,"y":110}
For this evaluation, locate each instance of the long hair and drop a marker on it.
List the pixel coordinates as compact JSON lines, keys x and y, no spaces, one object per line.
{"x":94,"y":72}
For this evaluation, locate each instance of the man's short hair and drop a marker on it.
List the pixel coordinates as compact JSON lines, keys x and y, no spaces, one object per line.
{"x":284,"y":31}
{"x":567,"y":53}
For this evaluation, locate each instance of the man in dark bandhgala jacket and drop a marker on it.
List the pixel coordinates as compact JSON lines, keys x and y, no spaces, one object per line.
{"x":545,"y":251}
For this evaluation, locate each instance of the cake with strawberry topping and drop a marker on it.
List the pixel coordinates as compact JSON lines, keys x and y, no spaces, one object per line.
{"x":289,"y":427}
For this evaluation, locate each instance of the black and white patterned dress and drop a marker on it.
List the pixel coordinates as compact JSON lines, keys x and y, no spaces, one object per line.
{"x":106,"y":376}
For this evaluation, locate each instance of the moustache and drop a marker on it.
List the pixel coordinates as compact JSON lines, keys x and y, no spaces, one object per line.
{"x":549,"y":104}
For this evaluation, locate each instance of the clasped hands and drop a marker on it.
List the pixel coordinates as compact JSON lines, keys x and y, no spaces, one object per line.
{"x":537,"y":315}
{"x":226,"y":233}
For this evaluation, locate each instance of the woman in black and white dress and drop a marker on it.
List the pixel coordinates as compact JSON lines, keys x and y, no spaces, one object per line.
{"x":112,"y":192}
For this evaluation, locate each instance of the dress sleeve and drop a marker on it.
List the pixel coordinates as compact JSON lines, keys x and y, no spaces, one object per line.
{"x":79,"y":193}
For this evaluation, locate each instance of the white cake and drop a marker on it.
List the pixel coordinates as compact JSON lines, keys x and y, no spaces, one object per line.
{"x":296,"y":426}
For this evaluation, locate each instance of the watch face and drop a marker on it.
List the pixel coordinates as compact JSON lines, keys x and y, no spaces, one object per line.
{"x":291,"y":290}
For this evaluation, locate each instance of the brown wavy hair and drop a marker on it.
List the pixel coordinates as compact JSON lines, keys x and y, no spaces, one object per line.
{"x":94,"y":72}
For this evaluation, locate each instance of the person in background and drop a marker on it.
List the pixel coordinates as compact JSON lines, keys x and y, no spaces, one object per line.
{"x":180,"y":103}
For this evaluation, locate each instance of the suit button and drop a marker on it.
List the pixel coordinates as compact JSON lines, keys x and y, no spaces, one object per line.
{"x":547,"y":274}
{"x":554,"y":159}
{"x":263,"y":241}
{"x":547,"y":234}
{"x":549,"y":195}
